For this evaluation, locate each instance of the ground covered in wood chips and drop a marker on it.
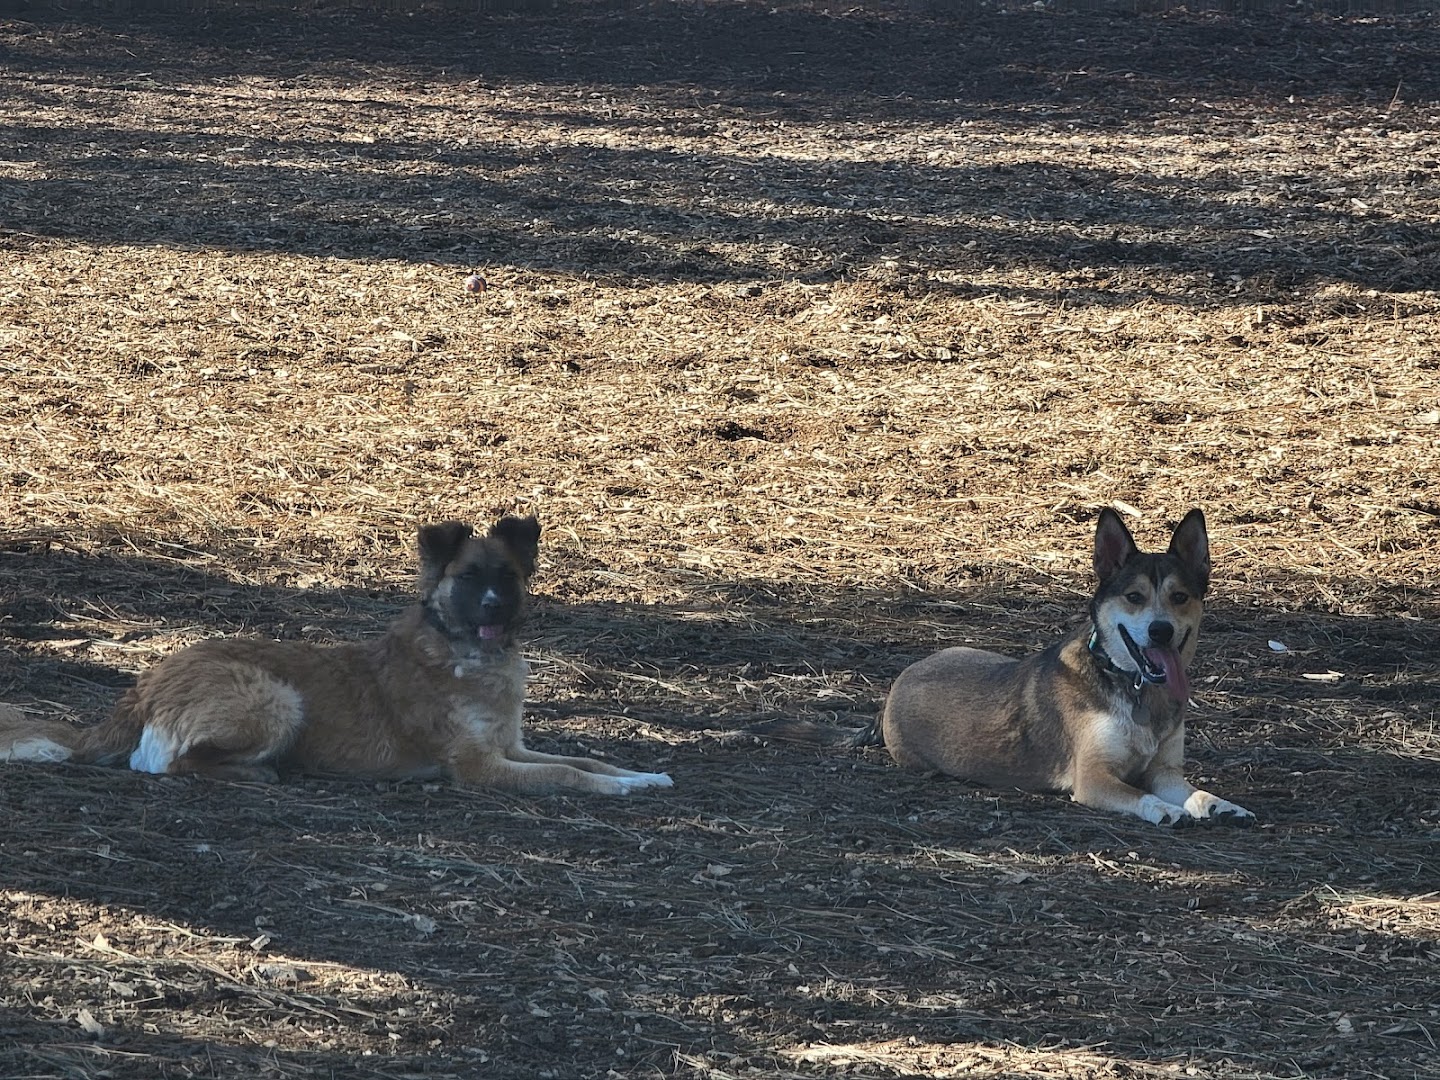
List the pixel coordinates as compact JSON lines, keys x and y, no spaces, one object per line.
{"x":816,"y":338}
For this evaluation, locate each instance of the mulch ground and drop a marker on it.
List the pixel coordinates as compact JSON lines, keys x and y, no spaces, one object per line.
{"x":816,"y":338}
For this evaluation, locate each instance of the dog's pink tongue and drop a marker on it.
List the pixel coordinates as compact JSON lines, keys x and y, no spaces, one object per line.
{"x":489,"y":633}
{"x":1176,"y":682}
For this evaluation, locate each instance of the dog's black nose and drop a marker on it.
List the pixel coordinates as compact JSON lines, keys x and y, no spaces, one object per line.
{"x":1161,"y":633}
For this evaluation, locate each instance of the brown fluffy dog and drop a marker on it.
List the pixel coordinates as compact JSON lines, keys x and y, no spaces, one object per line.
{"x":439,"y":694}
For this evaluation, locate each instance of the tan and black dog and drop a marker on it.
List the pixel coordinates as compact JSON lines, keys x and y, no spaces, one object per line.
{"x":1099,"y":716}
{"x":440,"y":694}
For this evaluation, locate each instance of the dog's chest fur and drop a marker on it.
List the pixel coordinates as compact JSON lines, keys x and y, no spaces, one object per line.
{"x":1131,"y":728}
{"x":453,"y":685}
{"x":487,"y":690}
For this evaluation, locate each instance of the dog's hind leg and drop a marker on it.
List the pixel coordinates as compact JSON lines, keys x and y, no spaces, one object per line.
{"x":229,"y":723}
{"x":219,"y":763}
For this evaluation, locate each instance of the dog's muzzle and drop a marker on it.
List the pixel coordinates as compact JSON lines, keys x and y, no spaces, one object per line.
{"x":1147,"y":671}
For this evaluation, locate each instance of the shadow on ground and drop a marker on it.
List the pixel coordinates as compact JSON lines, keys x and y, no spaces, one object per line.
{"x":558,"y":190}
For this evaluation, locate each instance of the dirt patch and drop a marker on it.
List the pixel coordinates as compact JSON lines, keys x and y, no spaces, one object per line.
{"x":816,"y":339}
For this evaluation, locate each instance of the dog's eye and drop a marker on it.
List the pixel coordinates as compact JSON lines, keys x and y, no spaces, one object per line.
{"x":1178,"y":598}
{"x":1135,"y":597}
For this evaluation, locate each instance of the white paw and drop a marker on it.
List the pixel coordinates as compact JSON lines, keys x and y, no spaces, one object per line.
{"x":1206,"y":806}
{"x":1231,"y":812}
{"x":1159,"y":812}
{"x":640,"y":780}
{"x":624,"y":785}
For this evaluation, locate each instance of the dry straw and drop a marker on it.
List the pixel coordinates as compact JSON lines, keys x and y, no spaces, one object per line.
{"x":816,"y":339}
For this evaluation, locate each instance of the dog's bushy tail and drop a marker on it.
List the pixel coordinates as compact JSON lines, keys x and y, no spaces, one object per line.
{"x":31,"y":738}
{"x":811,"y":733}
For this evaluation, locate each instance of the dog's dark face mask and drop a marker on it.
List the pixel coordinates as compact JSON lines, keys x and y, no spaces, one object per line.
{"x":473,"y":588}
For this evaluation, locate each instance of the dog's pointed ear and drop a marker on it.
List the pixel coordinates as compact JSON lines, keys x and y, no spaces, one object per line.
{"x":522,"y":537}
{"x":438,"y":545}
{"x":1114,"y":545}
{"x":1191,"y":545}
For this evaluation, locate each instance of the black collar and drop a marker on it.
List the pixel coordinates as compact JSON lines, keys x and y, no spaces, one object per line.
{"x":1134,"y":679}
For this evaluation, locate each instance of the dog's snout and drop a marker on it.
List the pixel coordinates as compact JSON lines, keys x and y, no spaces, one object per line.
{"x":490,"y":600}
{"x":1161,"y":632}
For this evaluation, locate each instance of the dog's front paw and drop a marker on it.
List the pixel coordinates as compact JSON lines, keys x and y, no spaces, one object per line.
{"x":1159,"y":812}
{"x":641,"y":780}
{"x":1204,"y":806}
{"x":1231,"y":814}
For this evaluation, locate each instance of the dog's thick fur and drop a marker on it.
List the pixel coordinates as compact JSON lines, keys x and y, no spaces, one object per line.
{"x":440,"y":694}
{"x":1099,"y":716}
